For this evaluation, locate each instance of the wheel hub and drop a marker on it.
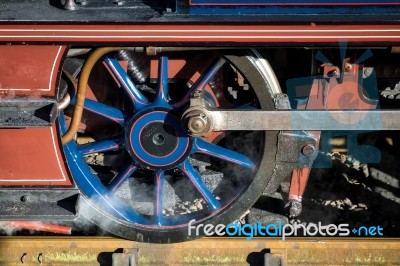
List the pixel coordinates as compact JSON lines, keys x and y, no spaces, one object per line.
{"x":155,"y":139}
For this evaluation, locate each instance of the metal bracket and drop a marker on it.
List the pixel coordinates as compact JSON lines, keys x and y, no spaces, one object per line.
{"x":272,"y":260}
{"x":129,"y":257}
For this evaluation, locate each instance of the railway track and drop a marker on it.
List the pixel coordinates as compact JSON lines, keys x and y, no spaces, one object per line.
{"x":205,"y":251}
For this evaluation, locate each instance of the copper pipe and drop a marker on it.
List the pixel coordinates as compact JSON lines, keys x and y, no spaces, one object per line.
{"x":64,"y":102}
{"x":39,"y":226}
{"x":81,"y":91}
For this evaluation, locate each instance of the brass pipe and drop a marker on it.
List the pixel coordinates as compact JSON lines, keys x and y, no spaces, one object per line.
{"x":81,"y":91}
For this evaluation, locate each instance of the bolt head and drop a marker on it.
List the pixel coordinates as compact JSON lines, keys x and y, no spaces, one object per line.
{"x":348,"y":67}
{"x":308,"y":150}
{"x":295,"y":208}
{"x":197,"y":124}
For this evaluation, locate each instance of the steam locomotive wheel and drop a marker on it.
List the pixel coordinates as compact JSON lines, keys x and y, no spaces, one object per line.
{"x":153,"y":178}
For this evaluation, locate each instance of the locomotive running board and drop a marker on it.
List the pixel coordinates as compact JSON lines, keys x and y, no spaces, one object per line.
{"x":27,"y":112}
{"x":38,"y":204}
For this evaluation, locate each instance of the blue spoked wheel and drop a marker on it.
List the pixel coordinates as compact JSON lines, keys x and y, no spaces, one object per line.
{"x":141,"y":176}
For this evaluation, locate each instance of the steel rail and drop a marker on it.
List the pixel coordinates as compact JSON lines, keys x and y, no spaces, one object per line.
{"x":205,"y":251}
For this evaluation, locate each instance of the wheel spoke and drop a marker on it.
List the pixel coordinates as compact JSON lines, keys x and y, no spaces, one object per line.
{"x":191,"y":173}
{"x":222,"y":153}
{"x":138,"y":99}
{"x":204,"y":79}
{"x":162,"y":98}
{"x":159,"y":197}
{"x":121,"y":177}
{"x":100,"y":146}
{"x":103,"y":110}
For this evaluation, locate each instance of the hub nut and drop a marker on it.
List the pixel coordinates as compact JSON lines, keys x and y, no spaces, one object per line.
{"x":198,"y":124}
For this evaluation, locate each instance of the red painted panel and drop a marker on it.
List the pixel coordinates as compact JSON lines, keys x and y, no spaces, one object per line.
{"x":31,"y":157}
{"x":29,"y":70}
{"x":200,"y":33}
